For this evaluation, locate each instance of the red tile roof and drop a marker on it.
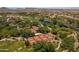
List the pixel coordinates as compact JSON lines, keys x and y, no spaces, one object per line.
{"x":40,"y":37}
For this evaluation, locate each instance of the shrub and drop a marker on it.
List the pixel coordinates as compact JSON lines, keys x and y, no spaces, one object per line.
{"x":43,"y":46}
{"x":63,"y":32}
{"x":68,"y":43}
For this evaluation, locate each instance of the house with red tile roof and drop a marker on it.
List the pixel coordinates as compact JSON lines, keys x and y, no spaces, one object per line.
{"x":40,"y":36}
{"x":49,"y":37}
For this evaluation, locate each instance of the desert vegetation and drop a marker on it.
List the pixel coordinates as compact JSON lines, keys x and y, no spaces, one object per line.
{"x":21,"y":31}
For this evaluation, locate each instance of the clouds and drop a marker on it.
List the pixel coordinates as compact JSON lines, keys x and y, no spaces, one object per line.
{"x":39,"y":3}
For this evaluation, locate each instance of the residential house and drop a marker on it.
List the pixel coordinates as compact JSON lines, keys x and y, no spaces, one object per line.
{"x":49,"y":37}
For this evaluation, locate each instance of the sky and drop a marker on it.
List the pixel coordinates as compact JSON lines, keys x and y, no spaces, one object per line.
{"x":39,"y":3}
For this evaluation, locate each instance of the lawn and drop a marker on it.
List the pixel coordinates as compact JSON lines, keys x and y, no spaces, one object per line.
{"x":13,"y":46}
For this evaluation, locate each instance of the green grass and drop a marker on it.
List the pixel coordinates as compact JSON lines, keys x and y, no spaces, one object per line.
{"x":13,"y":46}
